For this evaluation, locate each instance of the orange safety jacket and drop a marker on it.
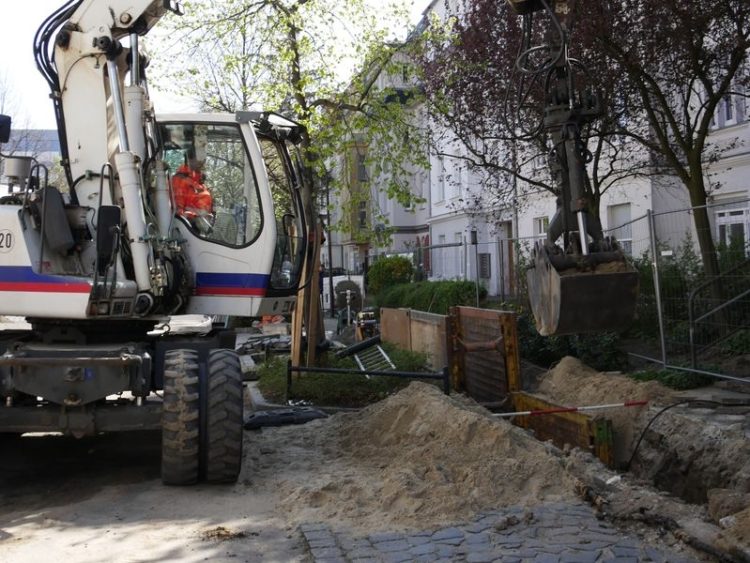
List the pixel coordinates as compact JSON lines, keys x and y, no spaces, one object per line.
{"x":190,"y":194}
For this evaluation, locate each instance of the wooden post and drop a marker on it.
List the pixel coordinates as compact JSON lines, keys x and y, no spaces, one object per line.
{"x":313,"y":317}
{"x":509,"y":329}
{"x":455,"y":350}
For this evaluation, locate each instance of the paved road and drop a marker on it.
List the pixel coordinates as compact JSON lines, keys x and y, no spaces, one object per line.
{"x":551,"y":533}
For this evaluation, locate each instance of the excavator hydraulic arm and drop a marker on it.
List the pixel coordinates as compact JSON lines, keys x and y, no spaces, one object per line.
{"x":585,"y":284}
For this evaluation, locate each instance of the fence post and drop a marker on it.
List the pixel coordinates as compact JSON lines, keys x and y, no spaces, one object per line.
{"x":657,"y":285}
{"x":288,"y":380}
{"x":446,"y":380}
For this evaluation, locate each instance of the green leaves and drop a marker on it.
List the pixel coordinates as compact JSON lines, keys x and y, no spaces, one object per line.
{"x":319,"y":62}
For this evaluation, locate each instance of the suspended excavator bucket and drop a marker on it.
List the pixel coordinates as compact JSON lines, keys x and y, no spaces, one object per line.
{"x":571,"y":294}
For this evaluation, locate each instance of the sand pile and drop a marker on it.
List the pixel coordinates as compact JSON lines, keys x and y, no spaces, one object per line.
{"x":419,"y":459}
{"x":573,"y":384}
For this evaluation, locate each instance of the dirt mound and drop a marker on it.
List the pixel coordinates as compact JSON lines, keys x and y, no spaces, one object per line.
{"x":572,"y":383}
{"x":736,"y":538}
{"x":421,"y":458}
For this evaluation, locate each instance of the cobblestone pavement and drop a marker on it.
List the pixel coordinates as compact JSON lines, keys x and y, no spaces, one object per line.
{"x":550,"y":533}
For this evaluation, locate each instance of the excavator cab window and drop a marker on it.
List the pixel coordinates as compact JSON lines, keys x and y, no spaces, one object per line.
{"x":289,"y":251}
{"x":214,"y":188}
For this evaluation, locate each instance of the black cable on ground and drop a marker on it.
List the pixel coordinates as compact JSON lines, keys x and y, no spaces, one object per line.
{"x":665,"y":409}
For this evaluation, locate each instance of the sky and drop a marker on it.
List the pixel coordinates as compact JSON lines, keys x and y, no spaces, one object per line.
{"x":30,"y":106}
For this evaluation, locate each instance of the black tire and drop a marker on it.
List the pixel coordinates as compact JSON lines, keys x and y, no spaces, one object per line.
{"x":224,"y":421}
{"x":180,"y":420}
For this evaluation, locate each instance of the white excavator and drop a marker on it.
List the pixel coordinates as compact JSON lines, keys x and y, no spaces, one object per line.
{"x":96,"y":265}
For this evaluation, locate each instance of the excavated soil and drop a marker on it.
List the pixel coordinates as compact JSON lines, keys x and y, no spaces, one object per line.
{"x":415,"y":460}
{"x":571,"y":383}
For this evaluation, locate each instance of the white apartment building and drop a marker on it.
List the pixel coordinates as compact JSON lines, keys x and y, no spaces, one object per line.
{"x":458,"y":204}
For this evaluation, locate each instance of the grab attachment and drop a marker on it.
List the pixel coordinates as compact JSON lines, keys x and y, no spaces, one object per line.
{"x":576,"y":293}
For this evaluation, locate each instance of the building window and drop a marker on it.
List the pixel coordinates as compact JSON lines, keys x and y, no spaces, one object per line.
{"x":731,"y":109}
{"x":439,"y":256}
{"x":362,"y":168}
{"x":732,"y":227}
{"x":362,"y":215}
{"x":618,"y":218}
{"x":458,"y":263}
{"x":541,"y":225}
{"x":441,"y":179}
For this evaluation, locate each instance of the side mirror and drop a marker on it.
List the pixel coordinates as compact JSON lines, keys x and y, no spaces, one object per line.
{"x":107,"y":227}
{"x":4,"y":128}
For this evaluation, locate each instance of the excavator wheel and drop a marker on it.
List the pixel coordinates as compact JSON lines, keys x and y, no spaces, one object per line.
{"x":180,"y":418}
{"x":224,"y":419}
{"x":573,"y":294}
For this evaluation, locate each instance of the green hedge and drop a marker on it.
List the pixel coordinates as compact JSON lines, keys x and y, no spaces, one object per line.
{"x":388,"y":271}
{"x":432,"y":297}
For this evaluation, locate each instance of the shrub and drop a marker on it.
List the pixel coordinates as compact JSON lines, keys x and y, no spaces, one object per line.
{"x":343,"y":390}
{"x":355,"y":296}
{"x":674,"y":379}
{"x":600,"y":350}
{"x":388,"y":271}
{"x":432,"y":297}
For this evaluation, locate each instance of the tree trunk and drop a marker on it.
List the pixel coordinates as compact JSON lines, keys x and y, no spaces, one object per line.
{"x":709,"y":257}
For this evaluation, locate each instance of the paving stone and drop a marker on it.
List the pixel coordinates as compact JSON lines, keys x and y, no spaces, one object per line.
{"x":626,"y":551}
{"x":447,"y":533}
{"x":565,"y":530}
{"x":326,"y":552}
{"x":623,"y":560}
{"x":568,"y":539}
{"x":365,"y":560}
{"x":346,"y":543}
{"x":385,"y":537}
{"x":323,"y":542}
{"x":423,"y":549}
{"x":530,"y":532}
{"x":509,"y":539}
{"x":586,"y":545}
{"x":397,"y":557}
{"x":522,"y":552}
{"x":478,"y":527}
{"x":481,"y":557}
{"x":477,"y":539}
{"x":598,"y":536}
{"x":340,"y":559}
{"x":547,"y":558}
{"x":363,"y":553}
{"x":418,"y":540}
{"x":551,"y":549}
{"x":313,"y":527}
{"x":654,"y":554}
{"x":392,"y":546}
{"x":445,"y":551}
{"x":450,"y":541}
{"x":579,"y":556}
{"x":318,"y":535}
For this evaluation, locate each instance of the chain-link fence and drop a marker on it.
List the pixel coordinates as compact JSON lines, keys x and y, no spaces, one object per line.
{"x":697,"y":300}
{"x":694,"y":299}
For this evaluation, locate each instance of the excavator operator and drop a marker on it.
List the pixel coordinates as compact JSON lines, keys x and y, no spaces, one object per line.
{"x":192,"y":197}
